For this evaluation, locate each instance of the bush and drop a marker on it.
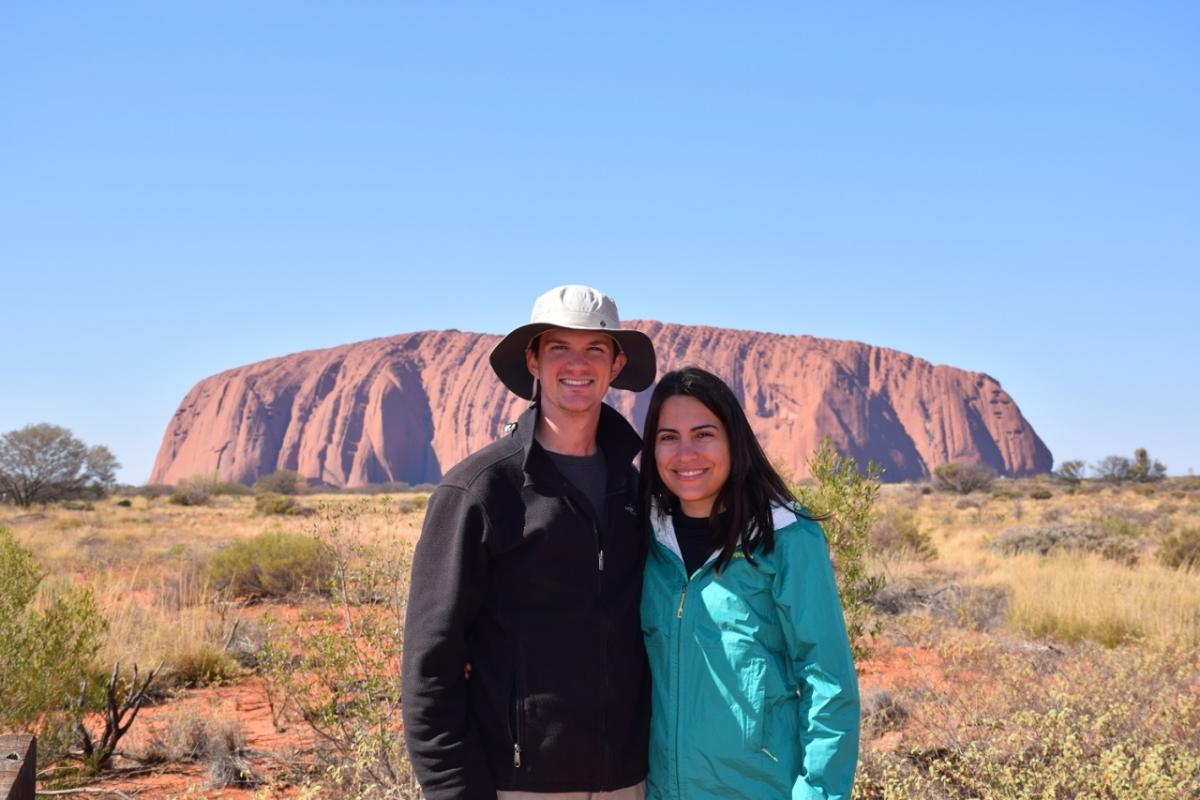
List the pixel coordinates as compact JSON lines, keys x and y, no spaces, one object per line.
{"x":271,"y":503}
{"x":206,"y":664}
{"x":1041,"y":494}
{"x":898,"y":532}
{"x":283,"y":481}
{"x":272,"y":564}
{"x":192,"y":492}
{"x":199,"y":490}
{"x":847,"y":498}
{"x":152,"y":491}
{"x":46,"y":650}
{"x":1057,"y":537}
{"x":1181,"y":550}
{"x":963,"y":478}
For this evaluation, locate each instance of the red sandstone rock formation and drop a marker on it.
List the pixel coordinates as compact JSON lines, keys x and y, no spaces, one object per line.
{"x":407,"y":407}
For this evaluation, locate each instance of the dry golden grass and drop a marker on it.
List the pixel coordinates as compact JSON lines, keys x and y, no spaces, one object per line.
{"x":1068,"y":596}
{"x":145,"y":564}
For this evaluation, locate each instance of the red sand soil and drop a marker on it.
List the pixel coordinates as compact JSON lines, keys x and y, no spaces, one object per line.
{"x":246,"y":701}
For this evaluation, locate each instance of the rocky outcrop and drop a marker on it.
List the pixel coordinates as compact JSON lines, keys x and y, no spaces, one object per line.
{"x":407,"y":407}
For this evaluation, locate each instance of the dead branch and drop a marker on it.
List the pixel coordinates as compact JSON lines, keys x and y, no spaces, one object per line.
{"x":118,"y":716}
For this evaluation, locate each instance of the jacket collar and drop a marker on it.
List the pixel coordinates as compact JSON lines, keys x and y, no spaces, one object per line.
{"x":664,"y":527}
{"x":614,"y":435}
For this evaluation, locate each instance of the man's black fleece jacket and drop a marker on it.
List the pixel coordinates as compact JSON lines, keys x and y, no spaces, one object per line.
{"x":513,"y":575}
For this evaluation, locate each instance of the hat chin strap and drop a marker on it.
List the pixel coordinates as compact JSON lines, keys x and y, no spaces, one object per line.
{"x":533,"y":396}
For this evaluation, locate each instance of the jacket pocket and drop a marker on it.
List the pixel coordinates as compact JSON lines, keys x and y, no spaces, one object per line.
{"x":754,"y":689}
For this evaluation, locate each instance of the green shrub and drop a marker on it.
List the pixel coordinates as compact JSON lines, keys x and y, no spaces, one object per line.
{"x":206,"y":665}
{"x":963,"y":478}
{"x":272,"y":564}
{"x":1057,"y":537}
{"x":271,"y":503}
{"x":847,"y":498}
{"x":283,"y":481}
{"x":46,"y":650}
{"x":1181,"y":550}
{"x":1041,"y":494}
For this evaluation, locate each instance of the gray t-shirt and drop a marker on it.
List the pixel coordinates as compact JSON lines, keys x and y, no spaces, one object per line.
{"x":589,"y":474}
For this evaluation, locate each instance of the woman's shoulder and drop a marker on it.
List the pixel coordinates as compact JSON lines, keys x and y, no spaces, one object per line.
{"x":797,"y":531}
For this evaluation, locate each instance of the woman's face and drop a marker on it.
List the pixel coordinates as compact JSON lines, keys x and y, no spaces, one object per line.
{"x":691,"y":448}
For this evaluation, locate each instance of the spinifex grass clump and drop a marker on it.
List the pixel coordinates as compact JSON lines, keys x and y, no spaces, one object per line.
{"x":273,"y":564}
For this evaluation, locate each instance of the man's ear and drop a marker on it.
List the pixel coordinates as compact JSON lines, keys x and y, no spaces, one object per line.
{"x":618,"y":365}
{"x":531,"y":362}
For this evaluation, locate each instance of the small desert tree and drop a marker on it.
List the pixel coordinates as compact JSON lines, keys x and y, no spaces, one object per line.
{"x":963,"y":478}
{"x":1113,"y":469}
{"x":44,"y":462}
{"x":847,"y":498}
{"x":1146,"y":469}
{"x":1071,"y":471}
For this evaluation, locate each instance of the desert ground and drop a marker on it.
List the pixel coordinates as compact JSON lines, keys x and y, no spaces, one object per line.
{"x":1036,"y":639}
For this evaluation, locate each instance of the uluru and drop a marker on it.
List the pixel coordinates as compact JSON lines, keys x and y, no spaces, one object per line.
{"x":408,"y":407}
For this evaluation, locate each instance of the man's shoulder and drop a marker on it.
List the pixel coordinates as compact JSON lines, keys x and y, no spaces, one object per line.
{"x":499,"y":461}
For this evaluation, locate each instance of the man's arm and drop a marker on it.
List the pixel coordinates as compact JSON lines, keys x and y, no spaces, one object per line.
{"x":448,"y":578}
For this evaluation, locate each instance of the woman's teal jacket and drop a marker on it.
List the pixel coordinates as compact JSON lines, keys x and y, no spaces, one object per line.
{"x":754,"y":690}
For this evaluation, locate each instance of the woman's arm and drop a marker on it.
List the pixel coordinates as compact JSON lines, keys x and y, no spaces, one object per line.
{"x":810,"y":614}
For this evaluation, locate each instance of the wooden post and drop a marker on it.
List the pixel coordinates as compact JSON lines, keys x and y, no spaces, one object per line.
{"x":18,"y":766}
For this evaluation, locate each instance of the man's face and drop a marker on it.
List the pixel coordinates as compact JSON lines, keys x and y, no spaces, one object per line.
{"x":574,"y":368}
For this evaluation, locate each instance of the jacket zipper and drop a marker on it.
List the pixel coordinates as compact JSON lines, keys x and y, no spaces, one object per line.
{"x":518,"y":711}
{"x":678,"y":679}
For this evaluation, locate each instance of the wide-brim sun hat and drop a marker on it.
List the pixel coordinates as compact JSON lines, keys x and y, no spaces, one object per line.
{"x":578,"y":308}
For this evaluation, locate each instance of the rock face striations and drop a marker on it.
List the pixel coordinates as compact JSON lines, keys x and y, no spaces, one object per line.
{"x":407,"y":407}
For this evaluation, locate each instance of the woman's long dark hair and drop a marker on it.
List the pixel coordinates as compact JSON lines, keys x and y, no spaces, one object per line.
{"x":753,"y":486}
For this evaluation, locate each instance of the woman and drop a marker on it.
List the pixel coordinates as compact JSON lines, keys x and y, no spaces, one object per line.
{"x":754,"y":693}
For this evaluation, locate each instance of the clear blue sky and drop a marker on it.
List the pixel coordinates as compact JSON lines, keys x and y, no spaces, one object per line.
{"x":1007,"y":187}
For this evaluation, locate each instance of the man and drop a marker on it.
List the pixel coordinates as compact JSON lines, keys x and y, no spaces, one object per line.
{"x":529,"y":570}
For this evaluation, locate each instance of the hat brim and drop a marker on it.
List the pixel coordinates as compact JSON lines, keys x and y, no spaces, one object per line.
{"x":508,"y":358}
